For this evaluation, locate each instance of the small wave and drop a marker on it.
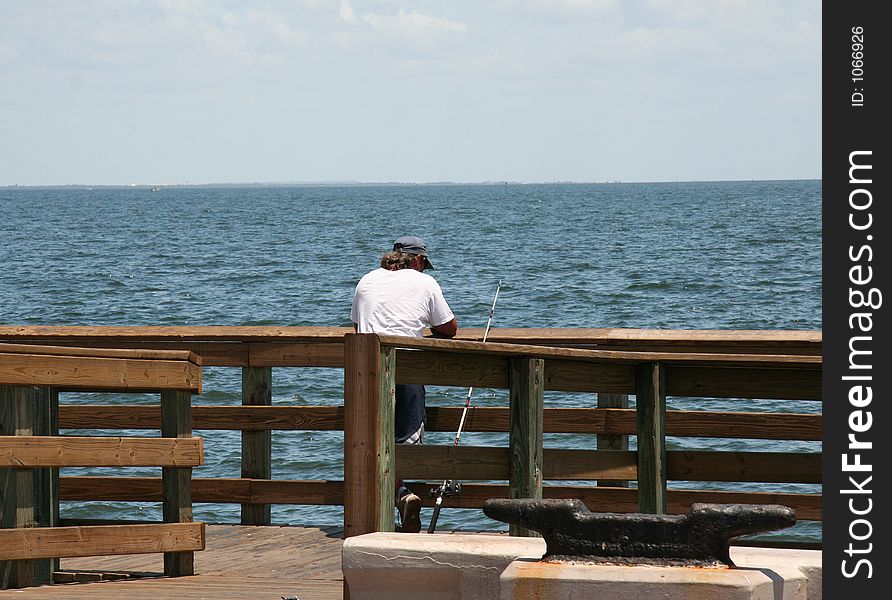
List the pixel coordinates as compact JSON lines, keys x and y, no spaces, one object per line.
{"x":651,"y":285}
{"x":553,"y":296}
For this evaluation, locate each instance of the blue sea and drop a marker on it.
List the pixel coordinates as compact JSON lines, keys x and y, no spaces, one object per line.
{"x":683,"y":255}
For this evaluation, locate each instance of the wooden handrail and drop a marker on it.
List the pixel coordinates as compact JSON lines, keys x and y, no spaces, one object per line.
{"x":135,"y":354}
{"x":91,"y":368}
{"x":234,"y":345}
{"x":577,"y":335}
{"x":171,"y":333}
{"x":606,"y":356}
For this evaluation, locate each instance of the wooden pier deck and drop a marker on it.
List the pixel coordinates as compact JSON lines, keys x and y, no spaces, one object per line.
{"x":239,"y":562}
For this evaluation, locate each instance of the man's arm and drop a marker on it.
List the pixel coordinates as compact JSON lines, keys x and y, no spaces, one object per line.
{"x":446,"y":330}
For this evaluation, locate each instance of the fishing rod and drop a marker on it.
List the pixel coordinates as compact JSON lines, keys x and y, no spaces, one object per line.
{"x":449,"y":487}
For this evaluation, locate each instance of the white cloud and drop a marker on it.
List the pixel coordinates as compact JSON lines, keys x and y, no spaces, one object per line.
{"x":395,"y":40}
{"x":347,"y":13}
{"x":412,"y":23}
{"x":561,"y":6}
{"x":272,"y":26}
{"x":190,"y":8}
{"x":730,"y":14}
{"x":228,"y":43}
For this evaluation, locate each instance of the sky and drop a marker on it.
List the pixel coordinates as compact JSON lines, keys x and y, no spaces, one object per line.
{"x":159,"y":92}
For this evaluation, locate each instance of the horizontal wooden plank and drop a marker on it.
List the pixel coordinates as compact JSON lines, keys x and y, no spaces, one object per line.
{"x":213,"y":354}
{"x":268,"y":491}
{"x":529,"y":335}
{"x":621,"y":335}
{"x":480,"y":463}
{"x":216,"y":490}
{"x":451,"y":368}
{"x":476,"y":463}
{"x":65,"y":542}
{"x":696,"y":347}
{"x":660,"y":340}
{"x":111,"y":416}
{"x":287,"y":346}
{"x":763,"y":383}
{"x":680,"y":423}
{"x":76,"y":372}
{"x":71,"y":451}
{"x":589,"y":355}
{"x":247,"y":418}
{"x":451,"y":462}
{"x":572,"y":375}
{"x":246,"y":584}
{"x":605,"y":499}
{"x":577,"y":376}
{"x":779,"y":426}
{"x":778,"y":467}
{"x":561,"y":463}
{"x":743,"y":425}
{"x":177,"y":333}
{"x":580,"y":376}
{"x":296,"y":354}
{"x":135,"y":354}
{"x":314,"y":418}
{"x":185,"y":335}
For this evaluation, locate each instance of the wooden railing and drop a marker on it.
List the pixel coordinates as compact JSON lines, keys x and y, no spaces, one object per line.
{"x":31,"y":452}
{"x":374,"y":364}
{"x":726,"y":364}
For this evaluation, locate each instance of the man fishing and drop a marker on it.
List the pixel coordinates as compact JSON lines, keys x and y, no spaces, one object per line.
{"x":399,"y":298}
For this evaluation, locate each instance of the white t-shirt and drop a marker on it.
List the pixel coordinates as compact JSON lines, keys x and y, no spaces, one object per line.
{"x":401,"y":302}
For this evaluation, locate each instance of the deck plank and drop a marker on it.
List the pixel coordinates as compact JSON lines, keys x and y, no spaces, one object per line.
{"x":195,"y":587}
{"x":239,"y":562}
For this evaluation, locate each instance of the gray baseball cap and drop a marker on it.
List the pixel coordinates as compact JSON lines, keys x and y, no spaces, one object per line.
{"x":413,"y":245}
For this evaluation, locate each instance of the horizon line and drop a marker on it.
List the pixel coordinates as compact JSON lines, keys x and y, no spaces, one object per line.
{"x":359,"y":183}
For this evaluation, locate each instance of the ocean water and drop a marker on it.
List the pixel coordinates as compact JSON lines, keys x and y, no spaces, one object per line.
{"x":685,"y":255}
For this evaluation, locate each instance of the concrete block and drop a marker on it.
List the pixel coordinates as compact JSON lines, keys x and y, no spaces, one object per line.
{"x":801,"y":570}
{"x":760,"y":574}
{"x":531,"y":580}
{"x":383,"y":566}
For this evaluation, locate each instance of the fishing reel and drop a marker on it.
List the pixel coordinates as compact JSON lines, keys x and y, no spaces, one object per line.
{"x":446,"y":489}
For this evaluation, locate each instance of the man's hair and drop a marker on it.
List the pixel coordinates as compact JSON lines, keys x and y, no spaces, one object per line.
{"x":396,"y":260}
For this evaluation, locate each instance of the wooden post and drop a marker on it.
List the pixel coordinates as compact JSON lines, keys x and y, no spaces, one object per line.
{"x":369,"y":385}
{"x":176,"y":421}
{"x":651,"y":411}
{"x":8,"y":480}
{"x":527,"y":385}
{"x":17,"y":485}
{"x":257,"y":445}
{"x":612,"y":441}
{"x":46,"y":480}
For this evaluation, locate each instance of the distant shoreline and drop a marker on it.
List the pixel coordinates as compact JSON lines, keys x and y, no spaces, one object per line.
{"x":306,"y":184}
